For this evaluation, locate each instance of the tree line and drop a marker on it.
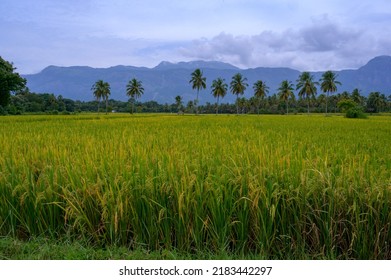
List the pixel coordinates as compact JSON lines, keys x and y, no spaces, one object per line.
{"x":353,"y":104}
{"x":282,"y":102}
{"x":28,"y":102}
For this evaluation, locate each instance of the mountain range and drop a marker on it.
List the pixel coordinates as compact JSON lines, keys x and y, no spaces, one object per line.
{"x":167,"y":80}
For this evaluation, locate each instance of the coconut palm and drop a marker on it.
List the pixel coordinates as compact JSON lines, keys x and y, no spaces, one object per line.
{"x":178,"y":102}
{"x":189,"y":106}
{"x":376,"y":102}
{"x":198,"y":82}
{"x":243,"y":104}
{"x":285,"y":92}
{"x":134,"y":90}
{"x":306,"y":86}
{"x":238,"y":86}
{"x":219,"y":89}
{"x":101,"y":90}
{"x":106,"y":94}
{"x":357,"y":97}
{"x":329,"y":84}
{"x":260,"y":91}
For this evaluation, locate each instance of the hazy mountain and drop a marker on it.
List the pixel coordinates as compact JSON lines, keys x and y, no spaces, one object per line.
{"x":167,"y":80}
{"x":165,"y":65}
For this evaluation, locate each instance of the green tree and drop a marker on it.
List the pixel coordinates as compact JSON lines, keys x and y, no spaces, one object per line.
{"x":61,"y":103}
{"x":357,"y":97}
{"x":219,"y":89}
{"x":101,"y":90}
{"x":285,"y":91}
{"x":329,"y":84}
{"x":376,"y":102}
{"x":10,"y":81}
{"x":346,"y":104}
{"x":51,"y":104}
{"x":244,"y":105}
{"x":189,"y":106}
{"x":351,"y":108}
{"x":383,"y":99}
{"x":321,"y":100}
{"x":306,"y":86}
{"x":178,"y":102}
{"x":106,"y":94}
{"x":198,"y":82}
{"x":260,"y":91}
{"x":134,"y":90}
{"x":238,"y":86}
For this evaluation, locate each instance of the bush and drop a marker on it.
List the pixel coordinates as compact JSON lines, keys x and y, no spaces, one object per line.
{"x":3,"y":111}
{"x":356,"y":112}
{"x":346,"y":104}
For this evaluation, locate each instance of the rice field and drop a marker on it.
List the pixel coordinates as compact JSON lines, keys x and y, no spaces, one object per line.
{"x":277,"y":187}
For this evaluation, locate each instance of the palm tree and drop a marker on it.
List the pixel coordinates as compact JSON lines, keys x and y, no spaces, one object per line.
{"x":260,"y":91}
{"x":329,"y":84}
{"x":134,"y":90}
{"x":178,"y":102}
{"x":219,"y":89}
{"x":198,"y":82}
{"x":376,"y":102}
{"x":285,"y":92}
{"x":189,"y":106}
{"x":243,"y":104}
{"x":106,"y":94}
{"x":357,"y":97}
{"x":306,"y":86}
{"x":238,"y":86}
{"x":101,"y":89}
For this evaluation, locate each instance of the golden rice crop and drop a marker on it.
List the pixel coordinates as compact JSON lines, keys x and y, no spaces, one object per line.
{"x":275,"y":186}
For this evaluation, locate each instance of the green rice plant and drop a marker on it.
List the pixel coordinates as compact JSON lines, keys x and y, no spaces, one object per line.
{"x":273,"y":186}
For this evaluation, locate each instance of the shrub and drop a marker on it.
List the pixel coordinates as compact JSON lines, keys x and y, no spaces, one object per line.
{"x":3,"y":111}
{"x":346,"y":104}
{"x":356,"y":112}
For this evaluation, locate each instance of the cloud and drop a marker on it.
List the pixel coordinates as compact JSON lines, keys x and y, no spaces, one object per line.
{"x":327,"y":36}
{"x":305,"y":35}
{"x":322,"y":45}
{"x":237,"y":49}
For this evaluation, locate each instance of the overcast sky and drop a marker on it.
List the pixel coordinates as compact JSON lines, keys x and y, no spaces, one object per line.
{"x":301,"y":34}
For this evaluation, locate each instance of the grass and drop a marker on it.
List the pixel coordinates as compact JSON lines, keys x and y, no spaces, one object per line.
{"x":41,"y":248}
{"x":272,"y":187}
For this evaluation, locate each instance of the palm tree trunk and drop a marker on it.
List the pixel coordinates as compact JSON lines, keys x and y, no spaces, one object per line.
{"x":308,"y":104}
{"x":217,"y":107}
{"x":327,"y":97}
{"x":287,"y":111}
{"x":197,"y":102}
{"x":237,"y":105}
{"x":106,"y":105}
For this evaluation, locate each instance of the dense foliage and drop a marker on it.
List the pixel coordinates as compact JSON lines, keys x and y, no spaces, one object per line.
{"x":9,"y":81}
{"x":27,"y":102}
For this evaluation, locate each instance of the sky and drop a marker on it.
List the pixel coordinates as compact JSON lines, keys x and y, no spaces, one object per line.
{"x":306,"y":35}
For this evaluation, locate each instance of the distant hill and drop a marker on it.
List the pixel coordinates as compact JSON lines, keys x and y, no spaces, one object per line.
{"x":167,"y":80}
